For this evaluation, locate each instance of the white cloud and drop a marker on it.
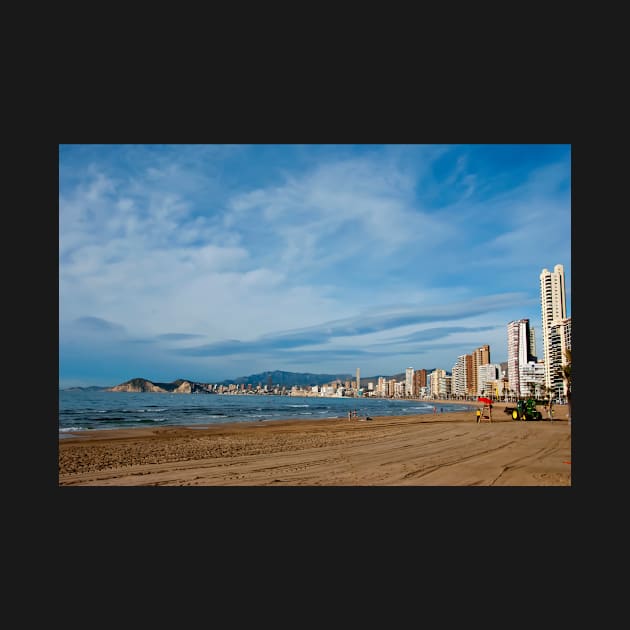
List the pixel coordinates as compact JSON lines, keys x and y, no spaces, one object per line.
{"x":335,"y":213}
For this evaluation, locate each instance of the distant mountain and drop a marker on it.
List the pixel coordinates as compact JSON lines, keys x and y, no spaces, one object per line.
{"x":286,"y":379}
{"x":180,"y":386}
{"x":91,"y":388}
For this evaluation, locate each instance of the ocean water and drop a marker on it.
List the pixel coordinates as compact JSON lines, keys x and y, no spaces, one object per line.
{"x":85,"y":411}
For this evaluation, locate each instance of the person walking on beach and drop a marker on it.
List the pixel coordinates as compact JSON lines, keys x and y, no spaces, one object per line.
{"x":478,"y":415}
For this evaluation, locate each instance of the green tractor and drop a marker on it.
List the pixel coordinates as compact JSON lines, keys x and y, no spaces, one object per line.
{"x":524,"y":410}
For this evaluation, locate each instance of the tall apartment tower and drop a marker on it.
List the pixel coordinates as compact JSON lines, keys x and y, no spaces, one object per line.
{"x":559,"y":343}
{"x":438,"y":387}
{"x":532,"y":342}
{"x":391,"y":387}
{"x":519,"y":352}
{"x":381,"y":386}
{"x":421,"y":377}
{"x":459,"y":384}
{"x":409,"y":382}
{"x":469,"y":372}
{"x":358,"y":379}
{"x":419,"y":381}
{"x":480,"y":356}
{"x":554,"y":310}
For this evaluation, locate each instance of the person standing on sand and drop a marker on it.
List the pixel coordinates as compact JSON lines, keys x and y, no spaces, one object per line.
{"x":478,"y":415}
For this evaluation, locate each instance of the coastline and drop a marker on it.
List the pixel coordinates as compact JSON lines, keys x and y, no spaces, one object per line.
{"x":442,"y":449}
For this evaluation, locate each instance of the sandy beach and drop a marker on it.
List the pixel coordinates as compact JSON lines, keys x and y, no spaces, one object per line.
{"x":448,"y":449}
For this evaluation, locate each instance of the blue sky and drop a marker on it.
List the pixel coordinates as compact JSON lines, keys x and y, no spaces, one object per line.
{"x":209,"y":262}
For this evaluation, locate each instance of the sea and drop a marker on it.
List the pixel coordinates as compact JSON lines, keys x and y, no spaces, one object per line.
{"x":81,"y":410}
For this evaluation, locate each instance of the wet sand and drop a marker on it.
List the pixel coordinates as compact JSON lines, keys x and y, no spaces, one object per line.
{"x":449,"y":449}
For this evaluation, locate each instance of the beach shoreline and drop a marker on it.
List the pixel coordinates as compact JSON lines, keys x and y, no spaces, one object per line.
{"x":441,"y":449}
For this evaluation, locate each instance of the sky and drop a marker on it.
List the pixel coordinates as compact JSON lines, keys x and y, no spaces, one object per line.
{"x":211,"y":262}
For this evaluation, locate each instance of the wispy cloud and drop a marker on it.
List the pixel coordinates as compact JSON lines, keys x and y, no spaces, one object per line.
{"x":363,"y":325}
{"x":98,"y":326}
{"x":177,"y":337}
{"x":429,"y":334}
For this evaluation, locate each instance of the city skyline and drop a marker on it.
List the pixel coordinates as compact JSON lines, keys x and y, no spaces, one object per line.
{"x":212,"y":262}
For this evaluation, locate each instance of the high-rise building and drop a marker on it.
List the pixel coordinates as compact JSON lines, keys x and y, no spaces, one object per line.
{"x":438,"y":383}
{"x":381,"y":386}
{"x":532,"y":342}
{"x":469,"y":375}
{"x":391,"y":387}
{"x":422,"y":377}
{"x":480,"y":356}
{"x":409,"y":382}
{"x":459,"y":382}
{"x":419,"y":381}
{"x":358,"y":379}
{"x":559,"y":343}
{"x":487,"y":376}
{"x":554,"y":312}
{"x":531,"y":378}
{"x":447,"y":386}
{"x":519,"y":352}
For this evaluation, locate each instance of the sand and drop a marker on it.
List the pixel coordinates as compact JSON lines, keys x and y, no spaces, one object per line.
{"x":449,"y":449}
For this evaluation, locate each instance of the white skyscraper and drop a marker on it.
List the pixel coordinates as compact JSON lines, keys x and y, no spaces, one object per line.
{"x":519,"y":348}
{"x":554,"y":314}
{"x":459,"y":382}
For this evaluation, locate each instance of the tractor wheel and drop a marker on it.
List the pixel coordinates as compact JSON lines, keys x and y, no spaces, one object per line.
{"x":515,"y":415}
